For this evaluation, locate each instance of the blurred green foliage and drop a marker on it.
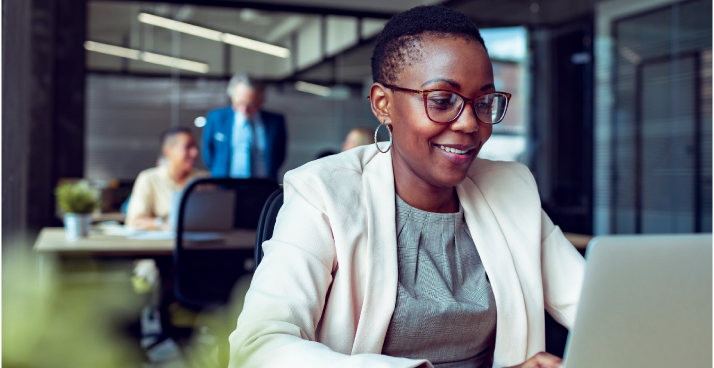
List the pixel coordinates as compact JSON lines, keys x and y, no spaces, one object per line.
{"x":48,"y":324}
{"x":78,"y":198}
{"x":76,"y":313}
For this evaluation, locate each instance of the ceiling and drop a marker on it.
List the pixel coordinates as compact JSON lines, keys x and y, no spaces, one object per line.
{"x":116,"y":23}
{"x":341,"y":56}
{"x":391,"y":6}
{"x":533,"y":13}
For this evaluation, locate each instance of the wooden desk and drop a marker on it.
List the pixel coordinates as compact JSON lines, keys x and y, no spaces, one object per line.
{"x":109,"y":216}
{"x":52,"y":240}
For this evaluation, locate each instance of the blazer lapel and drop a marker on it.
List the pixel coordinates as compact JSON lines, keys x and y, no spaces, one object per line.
{"x":511,"y":320}
{"x":228,"y":123}
{"x":381,"y":272}
{"x":269,"y":139}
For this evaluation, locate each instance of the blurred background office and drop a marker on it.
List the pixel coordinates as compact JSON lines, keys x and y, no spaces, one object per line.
{"x":611,"y":107}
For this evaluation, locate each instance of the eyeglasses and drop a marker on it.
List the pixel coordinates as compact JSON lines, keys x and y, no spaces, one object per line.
{"x":446,"y":106}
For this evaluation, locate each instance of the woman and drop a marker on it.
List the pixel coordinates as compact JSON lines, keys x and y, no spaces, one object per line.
{"x":424,"y":255}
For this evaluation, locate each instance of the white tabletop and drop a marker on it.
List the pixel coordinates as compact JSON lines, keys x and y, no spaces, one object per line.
{"x":53,"y":240}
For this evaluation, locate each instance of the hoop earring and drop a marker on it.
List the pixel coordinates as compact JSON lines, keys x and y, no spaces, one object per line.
{"x":390,"y":138}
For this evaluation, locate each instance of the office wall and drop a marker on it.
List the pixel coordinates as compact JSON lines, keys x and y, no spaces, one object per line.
{"x":341,"y":33}
{"x":15,"y":113}
{"x":653,"y":117}
{"x":125,"y":116}
{"x":309,"y":43}
{"x":43,"y":112}
{"x":560,"y":134}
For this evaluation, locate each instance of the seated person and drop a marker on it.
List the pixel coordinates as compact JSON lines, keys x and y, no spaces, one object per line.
{"x":413,"y":252}
{"x":160,"y":161}
{"x":359,"y":136}
{"x":151,"y":197}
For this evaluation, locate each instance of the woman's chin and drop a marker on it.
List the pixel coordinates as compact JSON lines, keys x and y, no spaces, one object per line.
{"x":453,"y":175}
{"x":451,"y":178}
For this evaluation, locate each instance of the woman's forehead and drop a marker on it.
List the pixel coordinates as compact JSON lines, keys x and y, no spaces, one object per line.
{"x":443,"y":59}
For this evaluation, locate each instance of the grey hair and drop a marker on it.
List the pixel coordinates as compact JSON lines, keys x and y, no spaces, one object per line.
{"x":248,"y":80}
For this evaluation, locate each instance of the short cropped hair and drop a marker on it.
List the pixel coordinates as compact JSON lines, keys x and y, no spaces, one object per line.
{"x":246,"y":79}
{"x":168,"y":136}
{"x":398,"y":44}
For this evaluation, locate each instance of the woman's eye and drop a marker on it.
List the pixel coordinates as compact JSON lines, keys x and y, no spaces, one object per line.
{"x":482,"y":106}
{"x":441,"y":101}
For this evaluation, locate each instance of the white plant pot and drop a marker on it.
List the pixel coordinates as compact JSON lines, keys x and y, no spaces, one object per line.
{"x":77,"y":225}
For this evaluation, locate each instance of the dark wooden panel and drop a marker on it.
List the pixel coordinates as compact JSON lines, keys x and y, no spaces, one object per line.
{"x":15,"y":93}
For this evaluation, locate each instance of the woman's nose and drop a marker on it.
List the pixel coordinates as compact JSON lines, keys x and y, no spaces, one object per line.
{"x":468,"y":121}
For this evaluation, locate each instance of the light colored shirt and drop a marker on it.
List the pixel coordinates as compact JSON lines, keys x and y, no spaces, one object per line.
{"x":248,"y":147}
{"x":152,"y":193}
{"x":445,"y":310}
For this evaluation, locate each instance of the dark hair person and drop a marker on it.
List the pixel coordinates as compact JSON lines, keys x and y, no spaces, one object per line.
{"x":413,"y":252}
{"x":150,"y":201}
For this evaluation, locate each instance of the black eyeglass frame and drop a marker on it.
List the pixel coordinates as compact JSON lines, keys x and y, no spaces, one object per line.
{"x":425,"y":92}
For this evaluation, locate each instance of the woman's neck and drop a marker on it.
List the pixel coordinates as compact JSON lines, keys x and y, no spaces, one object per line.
{"x":422,"y":195}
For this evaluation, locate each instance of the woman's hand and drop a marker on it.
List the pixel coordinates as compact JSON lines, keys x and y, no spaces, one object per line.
{"x":541,"y":360}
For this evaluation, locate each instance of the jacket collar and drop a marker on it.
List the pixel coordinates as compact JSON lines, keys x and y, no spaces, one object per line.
{"x":495,"y":254}
{"x":382,"y":273}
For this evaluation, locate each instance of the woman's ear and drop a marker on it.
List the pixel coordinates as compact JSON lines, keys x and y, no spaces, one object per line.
{"x":380,"y":98}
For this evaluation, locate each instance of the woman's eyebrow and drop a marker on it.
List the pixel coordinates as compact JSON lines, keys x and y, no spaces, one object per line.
{"x":455,"y":84}
{"x":451,"y":82}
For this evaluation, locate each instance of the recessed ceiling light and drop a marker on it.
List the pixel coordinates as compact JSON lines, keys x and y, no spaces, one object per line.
{"x":214,"y":35}
{"x":148,"y":57}
{"x":200,"y":122}
{"x":315,"y":89}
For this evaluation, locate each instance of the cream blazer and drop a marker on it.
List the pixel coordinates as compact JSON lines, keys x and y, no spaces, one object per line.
{"x":325,"y":292}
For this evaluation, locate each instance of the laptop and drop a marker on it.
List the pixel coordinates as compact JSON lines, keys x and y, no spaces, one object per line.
{"x":646,"y":302}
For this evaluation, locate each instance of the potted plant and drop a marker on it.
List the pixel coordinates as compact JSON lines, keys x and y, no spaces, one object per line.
{"x":77,"y":201}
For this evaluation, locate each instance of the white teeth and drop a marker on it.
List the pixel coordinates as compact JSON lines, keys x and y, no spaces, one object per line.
{"x":452,"y":150}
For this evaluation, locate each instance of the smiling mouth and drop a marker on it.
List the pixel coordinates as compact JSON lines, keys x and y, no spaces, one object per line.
{"x":453,"y":150}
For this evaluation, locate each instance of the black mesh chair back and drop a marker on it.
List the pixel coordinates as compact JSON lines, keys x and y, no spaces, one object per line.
{"x":267,"y":223}
{"x":204,"y":278}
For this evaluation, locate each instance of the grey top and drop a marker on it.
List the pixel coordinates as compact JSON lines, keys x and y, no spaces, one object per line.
{"x":445,"y":309}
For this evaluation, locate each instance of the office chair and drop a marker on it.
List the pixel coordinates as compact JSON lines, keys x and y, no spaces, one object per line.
{"x":267,"y":223}
{"x":204,"y":278}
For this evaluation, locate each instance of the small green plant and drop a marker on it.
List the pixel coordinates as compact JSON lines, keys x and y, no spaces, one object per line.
{"x":79,"y":198}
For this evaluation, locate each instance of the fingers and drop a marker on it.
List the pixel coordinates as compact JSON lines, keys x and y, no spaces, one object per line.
{"x":543,"y":360}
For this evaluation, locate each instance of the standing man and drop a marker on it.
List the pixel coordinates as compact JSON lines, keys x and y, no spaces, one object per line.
{"x":240,"y":140}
